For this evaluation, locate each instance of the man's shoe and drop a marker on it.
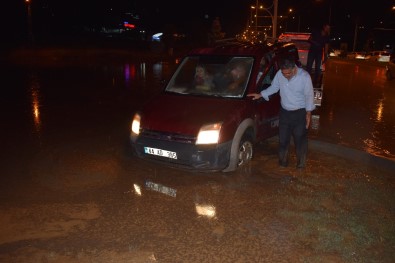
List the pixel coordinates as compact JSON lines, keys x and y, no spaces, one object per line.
{"x":283,"y":164}
{"x":300,"y":166}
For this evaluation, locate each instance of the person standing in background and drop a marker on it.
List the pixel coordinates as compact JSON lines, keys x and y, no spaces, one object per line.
{"x":215,"y":32}
{"x":319,"y":48}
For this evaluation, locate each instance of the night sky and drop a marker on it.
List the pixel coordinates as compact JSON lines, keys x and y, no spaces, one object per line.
{"x":66,"y":17}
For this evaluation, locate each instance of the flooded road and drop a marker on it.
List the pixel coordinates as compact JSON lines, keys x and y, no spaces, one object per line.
{"x":358,"y":107}
{"x":71,"y":192}
{"x":357,"y":110}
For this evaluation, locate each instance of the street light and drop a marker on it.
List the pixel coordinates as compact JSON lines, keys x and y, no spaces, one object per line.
{"x":272,"y":17}
{"x":275,"y":3}
{"x":255,"y":16}
{"x":292,"y":11}
{"x":29,"y":21}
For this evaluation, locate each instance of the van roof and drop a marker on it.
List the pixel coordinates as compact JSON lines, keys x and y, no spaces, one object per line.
{"x":241,"y":48}
{"x":291,"y":36}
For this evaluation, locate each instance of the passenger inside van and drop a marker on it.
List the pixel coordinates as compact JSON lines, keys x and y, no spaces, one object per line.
{"x":202,"y":79}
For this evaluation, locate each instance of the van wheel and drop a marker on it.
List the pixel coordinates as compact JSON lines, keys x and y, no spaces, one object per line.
{"x":241,"y":154}
{"x":246,"y":150}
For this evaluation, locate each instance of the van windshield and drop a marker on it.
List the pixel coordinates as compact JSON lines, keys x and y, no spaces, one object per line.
{"x":224,"y":76}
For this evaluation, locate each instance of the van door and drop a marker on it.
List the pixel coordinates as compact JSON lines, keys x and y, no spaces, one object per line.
{"x":267,"y":112}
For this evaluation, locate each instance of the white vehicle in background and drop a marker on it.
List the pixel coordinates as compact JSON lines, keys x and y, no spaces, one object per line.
{"x":380,"y":56}
{"x":335,"y":53}
{"x":362,"y":55}
{"x":301,"y":41}
{"x":358,"y":55}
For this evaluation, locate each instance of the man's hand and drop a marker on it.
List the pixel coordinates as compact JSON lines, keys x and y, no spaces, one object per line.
{"x":308,"y":119}
{"x":255,"y":96}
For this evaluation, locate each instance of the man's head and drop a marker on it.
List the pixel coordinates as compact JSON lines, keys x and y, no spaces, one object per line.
{"x":239,"y":71}
{"x":200,"y":71}
{"x":326,"y":29}
{"x":288,"y":67}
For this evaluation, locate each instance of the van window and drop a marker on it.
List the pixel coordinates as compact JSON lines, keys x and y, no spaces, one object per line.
{"x":266,"y":78}
{"x":225,"y":76}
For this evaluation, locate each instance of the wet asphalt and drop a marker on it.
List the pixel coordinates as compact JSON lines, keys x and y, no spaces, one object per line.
{"x":69,"y":183}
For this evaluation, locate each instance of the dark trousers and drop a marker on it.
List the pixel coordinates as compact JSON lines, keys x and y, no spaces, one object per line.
{"x":314,"y":56}
{"x":293,"y":124}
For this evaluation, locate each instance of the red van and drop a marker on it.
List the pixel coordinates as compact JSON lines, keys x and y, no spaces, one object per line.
{"x":200,"y":121}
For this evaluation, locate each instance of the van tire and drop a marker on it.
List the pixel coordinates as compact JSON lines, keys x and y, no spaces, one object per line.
{"x":241,"y":155}
{"x":246,"y":150}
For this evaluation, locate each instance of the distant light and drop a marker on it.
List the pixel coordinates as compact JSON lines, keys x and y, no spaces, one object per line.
{"x":127,"y":25}
{"x":157,"y":36}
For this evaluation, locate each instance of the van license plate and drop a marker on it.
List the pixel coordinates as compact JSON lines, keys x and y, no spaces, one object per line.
{"x":160,"y":152}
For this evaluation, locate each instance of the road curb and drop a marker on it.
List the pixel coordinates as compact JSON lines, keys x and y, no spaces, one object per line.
{"x":352,"y":154}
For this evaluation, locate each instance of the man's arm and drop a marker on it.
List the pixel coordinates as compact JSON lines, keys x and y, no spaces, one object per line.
{"x":309,"y":97}
{"x":273,"y":88}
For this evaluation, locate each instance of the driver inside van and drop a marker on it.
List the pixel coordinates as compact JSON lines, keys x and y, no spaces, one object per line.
{"x":202,"y":79}
{"x":234,"y":79}
{"x":238,"y":77}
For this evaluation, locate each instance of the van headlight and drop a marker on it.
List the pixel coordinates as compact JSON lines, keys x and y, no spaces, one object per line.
{"x":136,"y":124}
{"x":209,"y":134}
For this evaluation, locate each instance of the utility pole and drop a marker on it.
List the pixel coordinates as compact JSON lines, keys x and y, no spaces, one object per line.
{"x":275,"y":2}
{"x":29,"y":22}
{"x":256,"y":16}
{"x":355,"y":36}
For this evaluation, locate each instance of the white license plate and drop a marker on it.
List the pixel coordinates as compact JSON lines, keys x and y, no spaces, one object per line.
{"x":160,"y":152}
{"x":317,"y":95}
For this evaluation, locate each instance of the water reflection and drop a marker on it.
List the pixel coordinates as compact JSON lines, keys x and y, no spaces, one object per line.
{"x":157,"y":70}
{"x":379,"y":111}
{"x":356,"y":69}
{"x":132,"y":72}
{"x":34,"y":88}
{"x":330,"y":115}
{"x":205,"y":210}
{"x":376,"y":145}
{"x":357,"y":107}
{"x":160,"y":188}
{"x":143,"y":70}
{"x":201,"y":209}
{"x":129,"y":71}
{"x":137,"y":189}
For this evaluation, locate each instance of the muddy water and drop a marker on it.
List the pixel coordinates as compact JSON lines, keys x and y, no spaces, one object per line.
{"x":69,"y":191}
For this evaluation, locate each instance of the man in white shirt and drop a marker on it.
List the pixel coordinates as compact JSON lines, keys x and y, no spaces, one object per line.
{"x":297,"y":103}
